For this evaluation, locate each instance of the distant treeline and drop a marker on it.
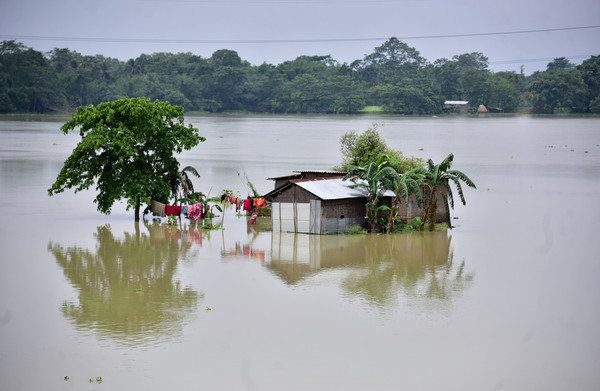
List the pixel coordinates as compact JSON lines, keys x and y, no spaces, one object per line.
{"x":394,"y":77}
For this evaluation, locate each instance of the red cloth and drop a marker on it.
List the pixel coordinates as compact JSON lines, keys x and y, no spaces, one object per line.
{"x":171,"y":210}
{"x":247,"y":204}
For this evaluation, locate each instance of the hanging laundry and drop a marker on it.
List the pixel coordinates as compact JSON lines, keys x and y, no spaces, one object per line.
{"x":157,"y":208}
{"x":194,"y":211}
{"x":247,"y":204}
{"x":171,"y":210}
{"x":259,"y":202}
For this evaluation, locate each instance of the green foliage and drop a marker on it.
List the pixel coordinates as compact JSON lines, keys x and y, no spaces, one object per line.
{"x":558,"y":89}
{"x":355,"y":230}
{"x":394,"y":76}
{"x":590,"y":73}
{"x":410,"y":226}
{"x":595,"y":105}
{"x":437,"y":178}
{"x":126,"y":151}
{"x":362,"y":149}
{"x":182,"y":185}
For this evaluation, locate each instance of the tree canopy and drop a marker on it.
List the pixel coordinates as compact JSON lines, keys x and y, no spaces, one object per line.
{"x":394,"y":77}
{"x":127,"y":151}
{"x":367,"y":147}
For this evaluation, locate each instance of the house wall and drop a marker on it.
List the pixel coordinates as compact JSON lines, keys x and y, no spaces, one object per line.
{"x":294,"y":193}
{"x":308,"y":214}
{"x":339,"y":215}
{"x":414,"y":210}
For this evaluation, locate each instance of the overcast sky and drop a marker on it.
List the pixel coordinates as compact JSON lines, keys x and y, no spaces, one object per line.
{"x":274,"y":31}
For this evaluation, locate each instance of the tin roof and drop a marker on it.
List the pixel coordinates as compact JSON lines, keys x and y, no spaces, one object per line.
{"x":456,"y":102}
{"x":334,"y":189}
{"x":298,"y":173}
{"x":321,"y":171}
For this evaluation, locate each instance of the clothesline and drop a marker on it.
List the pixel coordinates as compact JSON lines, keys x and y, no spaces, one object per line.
{"x":194,"y":211}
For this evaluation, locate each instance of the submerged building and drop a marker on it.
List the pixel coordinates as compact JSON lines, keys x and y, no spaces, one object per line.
{"x":321,"y":202}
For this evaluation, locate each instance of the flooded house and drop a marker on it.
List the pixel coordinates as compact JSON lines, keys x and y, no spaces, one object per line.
{"x":321,"y":202}
{"x":456,"y":105}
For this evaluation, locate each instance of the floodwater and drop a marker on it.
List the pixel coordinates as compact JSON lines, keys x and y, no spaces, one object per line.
{"x":507,"y":300}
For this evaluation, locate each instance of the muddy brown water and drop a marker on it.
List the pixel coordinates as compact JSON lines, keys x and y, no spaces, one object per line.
{"x":509,"y":299}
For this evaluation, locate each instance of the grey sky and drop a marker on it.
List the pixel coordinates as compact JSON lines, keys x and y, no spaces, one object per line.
{"x":146,"y":24}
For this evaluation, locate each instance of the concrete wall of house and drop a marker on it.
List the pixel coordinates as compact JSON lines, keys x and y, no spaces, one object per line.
{"x":317,"y":216}
{"x":339,"y":215}
{"x":414,"y":210}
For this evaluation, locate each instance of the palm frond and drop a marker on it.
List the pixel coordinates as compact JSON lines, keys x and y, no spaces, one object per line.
{"x":354,"y":171}
{"x":450,"y":195}
{"x":414,"y":188}
{"x":435,"y":175}
{"x":191,"y":170}
{"x":402,"y":190}
{"x":459,"y":190}
{"x":417,"y":173}
{"x":447,"y":163}
{"x":387,"y":160}
{"x":460,"y":175}
{"x":430,"y":165}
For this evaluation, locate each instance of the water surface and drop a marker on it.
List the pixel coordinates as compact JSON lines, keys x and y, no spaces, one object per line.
{"x":509,"y":299}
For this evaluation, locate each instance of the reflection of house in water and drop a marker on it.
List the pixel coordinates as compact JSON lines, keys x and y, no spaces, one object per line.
{"x":373,"y":266}
{"x":323,"y":202}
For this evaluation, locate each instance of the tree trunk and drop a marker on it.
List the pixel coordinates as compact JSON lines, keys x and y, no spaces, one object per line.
{"x":395,"y":207}
{"x":137,"y":210}
{"x":368,"y":213}
{"x":425,"y":214}
{"x":447,"y":212}
{"x":432,"y":213}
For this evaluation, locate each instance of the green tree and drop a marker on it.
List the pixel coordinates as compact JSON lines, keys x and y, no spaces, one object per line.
{"x":361,"y":149}
{"x":348,"y":104}
{"x":126,"y":149}
{"x":595,"y":105}
{"x":376,"y":178}
{"x":405,"y":185}
{"x":590,"y":72}
{"x":404,"y":100}
{"x":391,"y":62}
{"x":559,"y":63}
{"x":437,"y":179}
{"x":558,"y":89}
{"x":26,"y":79}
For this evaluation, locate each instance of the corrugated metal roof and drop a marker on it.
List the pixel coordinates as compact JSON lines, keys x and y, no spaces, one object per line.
{"x":299,"y":173}
{"x":335,"y":189}
{"x":321,"y":171}
{"x":456,"y":102}
{"x":284,"y":176}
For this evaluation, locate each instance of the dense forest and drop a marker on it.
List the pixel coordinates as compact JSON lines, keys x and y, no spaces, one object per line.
{"x":394,"y":77}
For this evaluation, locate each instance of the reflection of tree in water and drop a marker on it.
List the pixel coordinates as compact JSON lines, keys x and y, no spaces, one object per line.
{"x":376,"y":268}
{"x":418,"y":266}
{"x":126,"y":287}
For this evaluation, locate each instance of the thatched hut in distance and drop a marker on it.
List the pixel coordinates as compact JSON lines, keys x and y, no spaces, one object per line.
{"x":482,"y":109}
